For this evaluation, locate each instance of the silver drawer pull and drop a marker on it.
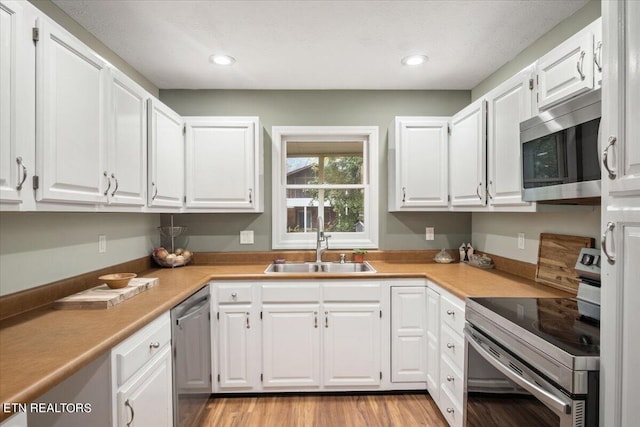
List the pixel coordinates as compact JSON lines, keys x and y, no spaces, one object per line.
{"x":450,"y":410}
{"x":450,"y":378}
{"x":126,"y":403}
{"x":451,"y":312}
{"x":248,"y":324}
{"x":449,"y":345}
{"x":154,"y":344}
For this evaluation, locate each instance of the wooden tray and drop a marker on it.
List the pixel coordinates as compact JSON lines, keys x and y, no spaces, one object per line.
{"x":557,"y":255}
{"x":102,"y":296}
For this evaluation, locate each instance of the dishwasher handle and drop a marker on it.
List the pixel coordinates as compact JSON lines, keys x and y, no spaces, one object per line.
{"x":554,"y":403}
{"x":192,"y":310}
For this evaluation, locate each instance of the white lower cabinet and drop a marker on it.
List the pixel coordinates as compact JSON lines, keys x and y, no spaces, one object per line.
{"x":236,"y":347}
{"x":291,"y":345}
{"x":142,"y":378}
{"x":409,"y":342}
{"x":433,"y":343}
{"x":352,"y":344}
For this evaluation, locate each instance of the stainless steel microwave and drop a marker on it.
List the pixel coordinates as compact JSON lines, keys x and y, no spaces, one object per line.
{"x":559,"y":152}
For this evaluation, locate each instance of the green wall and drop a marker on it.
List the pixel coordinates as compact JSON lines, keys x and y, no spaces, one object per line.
{"x":220,"y":232}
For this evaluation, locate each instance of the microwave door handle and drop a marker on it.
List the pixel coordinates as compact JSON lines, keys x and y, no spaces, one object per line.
{"x":552,"y":402}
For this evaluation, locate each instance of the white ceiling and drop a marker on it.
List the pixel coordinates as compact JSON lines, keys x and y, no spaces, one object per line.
{"x":308,"y":44}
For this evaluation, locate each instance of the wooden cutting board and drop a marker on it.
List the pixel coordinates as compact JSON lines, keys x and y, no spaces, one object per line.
{"x":557,"y":255}
{"x":102,"y":296}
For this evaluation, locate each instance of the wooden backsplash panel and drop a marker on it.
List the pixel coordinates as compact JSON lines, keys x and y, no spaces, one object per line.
{"x":557,"y":256}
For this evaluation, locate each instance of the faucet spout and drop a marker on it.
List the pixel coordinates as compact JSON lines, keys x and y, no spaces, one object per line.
{"x":321,"y":236}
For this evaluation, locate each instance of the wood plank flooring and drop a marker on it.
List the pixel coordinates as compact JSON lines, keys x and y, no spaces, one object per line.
{"x":399,"y":410}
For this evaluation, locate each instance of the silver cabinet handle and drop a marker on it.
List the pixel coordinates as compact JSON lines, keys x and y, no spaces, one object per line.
{"x":451,"y":312}
{"x":450,"y":378}
{"x":404,"y":194}
{"x":109,"y":181}
{"x":315,"y":319}
{"x":24,"y":172}
{"x":597,"y":56}
{"x":489,"y":190}
{"x":133,"y":414}
{"x":155,"y":193}
{"x":154,"y":344}
{"x":450,"y":345}
{"x":603,"y":243}
{"x":251,"y":195}
{"x":605,"y":157}
{"x":580,"y":64}
{"x":248,"y":324}
{"x":450,"y":410}
{"x":478,"y":191}
{"x":115,"y":189}
{"x":326,"y":319}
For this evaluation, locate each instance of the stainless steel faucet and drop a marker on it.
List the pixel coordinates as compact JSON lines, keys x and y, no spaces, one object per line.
{"x":321,"y":236}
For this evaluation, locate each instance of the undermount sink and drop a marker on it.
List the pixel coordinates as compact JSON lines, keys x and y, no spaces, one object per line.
{"x":321,"y":267}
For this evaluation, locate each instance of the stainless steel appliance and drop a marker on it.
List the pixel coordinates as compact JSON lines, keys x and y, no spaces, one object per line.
{"x":191,"y":341}
{"x":560,"y":156}
{"x":534,"y":361}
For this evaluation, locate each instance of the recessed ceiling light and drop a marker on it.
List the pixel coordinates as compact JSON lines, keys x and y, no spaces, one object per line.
{"x":222,"y":59}
{"x":414,"y":60}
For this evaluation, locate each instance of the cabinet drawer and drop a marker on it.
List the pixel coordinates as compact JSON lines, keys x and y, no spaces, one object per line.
{"x":132,"y":354}
{"x":294,"y":292}
{"x":452,"y":345}
{"x":452,"y":313}
{"x":351,"y":292}
{"x":451,"y":409}
{"x":451,"y":379}
{"x":235,"y":293}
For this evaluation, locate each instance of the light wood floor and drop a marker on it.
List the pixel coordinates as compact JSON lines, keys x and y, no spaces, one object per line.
{"x":400,"y":410}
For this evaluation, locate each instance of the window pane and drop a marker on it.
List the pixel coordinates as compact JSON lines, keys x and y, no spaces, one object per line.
{"x":327,"y":162}
{"x":342,"y":170}
{"x":345,"y":212}
{"x":302,"y":170}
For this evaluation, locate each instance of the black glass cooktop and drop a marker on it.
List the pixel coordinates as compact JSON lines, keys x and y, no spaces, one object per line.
{"x":566,"y":323}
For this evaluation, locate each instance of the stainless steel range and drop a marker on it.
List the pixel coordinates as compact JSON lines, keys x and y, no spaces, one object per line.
{"x":535,"y":361}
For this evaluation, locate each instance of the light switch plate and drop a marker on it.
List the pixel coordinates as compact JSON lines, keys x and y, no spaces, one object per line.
{"x":520,"y":240}
{"x":430,"y":233}
{"x":246,"y":237}
{"x":102,"y":243}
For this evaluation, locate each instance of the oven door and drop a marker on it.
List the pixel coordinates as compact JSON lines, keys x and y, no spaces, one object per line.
{"x":501,"y":390}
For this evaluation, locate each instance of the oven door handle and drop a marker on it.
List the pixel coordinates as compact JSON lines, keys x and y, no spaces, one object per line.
{"x":552,"y":402}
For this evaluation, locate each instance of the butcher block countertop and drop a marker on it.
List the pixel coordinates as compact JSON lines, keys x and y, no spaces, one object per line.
{"x":43,"y":347}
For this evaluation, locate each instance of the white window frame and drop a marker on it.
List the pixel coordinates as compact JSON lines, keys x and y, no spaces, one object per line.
{"x":280,"y":135}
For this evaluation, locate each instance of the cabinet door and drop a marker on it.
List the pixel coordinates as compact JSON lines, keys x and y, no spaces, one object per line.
{"x":467,"y":155}
{"x":351,"y":342}
{"x":419,"y":175}
{"x":408,"y":334}
{"x":71,"y":89}
{"x":566,"y":71}
{"x":166,"y":156}
{"x":622,"y":141}
{"x":433,"y":343}
{"x":291,"y":345}
{"x":237,"y":358}
{"x":509,"y":104}
{"x":147,"y":400}
{"x":127,"y":147}
{"x":17,"y":101}
{"x":222,"y":163}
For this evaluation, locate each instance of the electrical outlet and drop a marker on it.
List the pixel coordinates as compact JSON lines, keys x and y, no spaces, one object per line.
{"x":102,"y":243}
{"x":520,"y":240}
{"x":246,"y":237}
{"x":430,"y":233}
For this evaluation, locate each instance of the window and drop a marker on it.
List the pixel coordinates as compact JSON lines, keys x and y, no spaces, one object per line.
{"x":326,"y":172}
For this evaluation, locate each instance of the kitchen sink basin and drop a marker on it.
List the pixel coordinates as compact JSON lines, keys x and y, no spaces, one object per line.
{"x":321,"y":267}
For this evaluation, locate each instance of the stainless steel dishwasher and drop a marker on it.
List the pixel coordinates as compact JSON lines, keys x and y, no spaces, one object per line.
{"x":191,"y":341}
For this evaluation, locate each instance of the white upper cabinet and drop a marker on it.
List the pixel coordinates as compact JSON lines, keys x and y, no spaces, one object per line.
{"x":508,"y":105}
{"x":467,"y":155}
{"x":166,"y":156}
{"x":71,"y":143}
{"x":567,"y":70}
{"x":17,"y":103}
{"x":224,"y":164}
{"x":127,"y":143}
{"x":418,"y":161}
